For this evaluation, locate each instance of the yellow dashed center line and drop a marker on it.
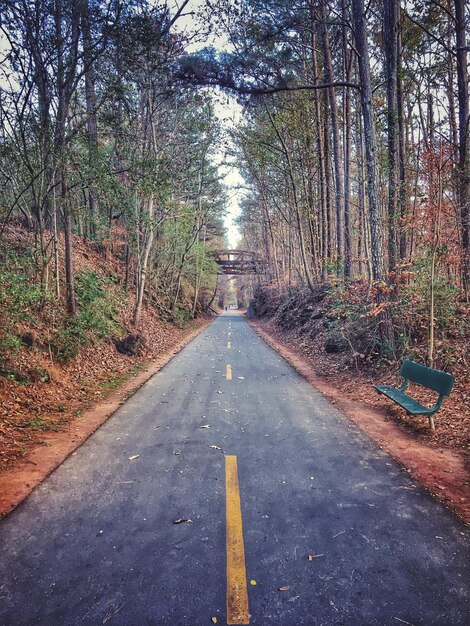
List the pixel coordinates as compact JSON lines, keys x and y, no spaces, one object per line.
{"x":237,"y":594}
{"x":228,"y":373}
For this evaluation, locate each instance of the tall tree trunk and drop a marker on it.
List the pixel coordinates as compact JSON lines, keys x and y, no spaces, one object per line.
{"x":403,"y":185}
{"x":66,"y":73}
{"x":347,"y":71}
{"x":376,"y":223}
{"x":323,"y":231}
{"x":464,"y":137}
{"x":329,"y":222}
{"x":364,"y":249}
{"x":92,"y":125}
{"x":390,"y":33}
{"x":270,"y":242}
{"x":144,"y":260}
{"x":339,"y":184}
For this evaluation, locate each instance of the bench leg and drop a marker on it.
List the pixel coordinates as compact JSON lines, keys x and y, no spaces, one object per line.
{"x":431,"y":422}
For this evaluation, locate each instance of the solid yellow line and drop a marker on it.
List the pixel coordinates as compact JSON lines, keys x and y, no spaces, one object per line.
{"x":228,"y":373}
{"x":237,"y":593}
{"x":229,"y":344}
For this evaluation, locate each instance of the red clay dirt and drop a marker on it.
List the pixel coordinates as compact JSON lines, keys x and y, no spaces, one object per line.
{"x":442,"y":471}
{"x":23,"y":474}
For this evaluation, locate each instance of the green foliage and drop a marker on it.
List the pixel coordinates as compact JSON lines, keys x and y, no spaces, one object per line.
{"x":414,"y":298}
{"x":19,"y":295}
{"x":12,"y":373}
{"x":97,"y":303}
{"x":36,"y":423}
{"x":199,"y":260}
{"x":411,"y":310}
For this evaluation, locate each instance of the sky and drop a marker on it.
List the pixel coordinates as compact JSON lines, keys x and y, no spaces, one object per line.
{"x":228,"y":111}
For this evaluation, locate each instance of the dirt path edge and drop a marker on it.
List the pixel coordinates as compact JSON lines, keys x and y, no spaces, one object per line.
{"x":17,"y":483}
{"x":440,"y":470}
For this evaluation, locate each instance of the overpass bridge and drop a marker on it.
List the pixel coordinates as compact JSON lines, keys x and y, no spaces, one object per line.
{"x":238,"y":262}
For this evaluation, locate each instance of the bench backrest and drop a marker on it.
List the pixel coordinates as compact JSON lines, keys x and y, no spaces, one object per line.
{"x":438,"y":381}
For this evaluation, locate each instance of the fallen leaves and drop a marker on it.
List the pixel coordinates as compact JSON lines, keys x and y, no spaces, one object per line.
{"x":283,"y":588}
{"x":311,"y":557}
{"x":215,"y":447}
{"x":253,"y":583}
{"x":214,"y":620}
{"x":183,"y":521}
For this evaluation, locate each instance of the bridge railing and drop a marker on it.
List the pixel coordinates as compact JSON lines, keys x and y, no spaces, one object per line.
{"x":239,"y":262}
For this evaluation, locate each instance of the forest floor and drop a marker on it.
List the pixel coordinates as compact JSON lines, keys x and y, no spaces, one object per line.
{"x":439,"y":460}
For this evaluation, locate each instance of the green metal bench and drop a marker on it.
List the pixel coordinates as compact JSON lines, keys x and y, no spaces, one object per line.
{"x":438,"y":381}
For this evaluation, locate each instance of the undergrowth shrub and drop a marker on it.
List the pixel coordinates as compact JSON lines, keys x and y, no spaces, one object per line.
{"x":97,"y":302}
{"x":350,"y":311}
{"x":411,"y":315}
{"x":20,"y":297}
{"x":181,"y":316}
{"x":343,"y":316}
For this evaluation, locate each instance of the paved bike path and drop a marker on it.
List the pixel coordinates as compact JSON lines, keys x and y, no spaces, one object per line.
{"x":334,"y":531}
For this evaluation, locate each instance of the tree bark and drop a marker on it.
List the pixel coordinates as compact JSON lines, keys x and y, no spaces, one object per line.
{"x":390,"y":33}
{"x":402,"y":152}
{"x":323,"y":213}
{"x":92,"y":124}
{"x":339,"y":183}
{"x":464,"y":138}
{"x":347,"y":71}
{"x":66,"y":74}
{"x":143,"y":260}
{"x":376,"y":223}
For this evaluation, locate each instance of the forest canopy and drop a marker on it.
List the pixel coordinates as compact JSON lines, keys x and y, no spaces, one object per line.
{"x":354,"y":146}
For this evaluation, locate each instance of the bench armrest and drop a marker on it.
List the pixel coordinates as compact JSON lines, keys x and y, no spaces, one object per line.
{"x":437,"y":406}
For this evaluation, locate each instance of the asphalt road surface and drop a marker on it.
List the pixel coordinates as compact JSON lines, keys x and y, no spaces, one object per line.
{"x":296,"y":516}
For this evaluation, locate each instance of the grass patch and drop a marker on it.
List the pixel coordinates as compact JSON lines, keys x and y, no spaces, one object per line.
{"x":114,"y":381}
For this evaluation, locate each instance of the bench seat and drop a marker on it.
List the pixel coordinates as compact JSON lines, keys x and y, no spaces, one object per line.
{"x":409,"y":404}
{"x":429,"y":378}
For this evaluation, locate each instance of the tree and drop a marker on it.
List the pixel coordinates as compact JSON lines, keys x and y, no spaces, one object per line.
{"x":464,"y":135}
